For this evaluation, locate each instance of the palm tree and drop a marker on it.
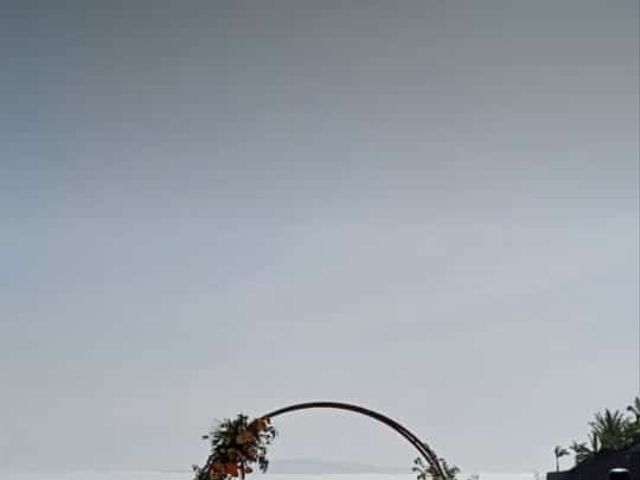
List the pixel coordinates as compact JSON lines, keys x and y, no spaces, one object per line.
{"x":634,"y":409}
{"x":634,"y":426}
{"x":582,"y":451}
{"x":612,"y":429}
{"x":559,"y":452}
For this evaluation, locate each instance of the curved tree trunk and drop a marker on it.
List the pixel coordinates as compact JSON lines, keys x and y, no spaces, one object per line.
{"x":425,"y":451}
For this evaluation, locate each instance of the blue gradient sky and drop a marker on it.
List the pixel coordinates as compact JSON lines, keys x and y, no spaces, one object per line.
{"x":428,"y":207}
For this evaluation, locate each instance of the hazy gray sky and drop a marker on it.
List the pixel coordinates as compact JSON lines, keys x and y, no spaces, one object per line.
{"x":428,"y":207}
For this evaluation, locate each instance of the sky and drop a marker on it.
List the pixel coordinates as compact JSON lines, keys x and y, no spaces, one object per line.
{"x":429,"y":208}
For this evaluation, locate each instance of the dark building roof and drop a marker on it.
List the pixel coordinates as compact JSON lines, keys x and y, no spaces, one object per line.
{"x":598,"y":466}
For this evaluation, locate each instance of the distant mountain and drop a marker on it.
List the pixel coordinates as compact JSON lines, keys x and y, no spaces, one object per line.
{"x":320,"y":467}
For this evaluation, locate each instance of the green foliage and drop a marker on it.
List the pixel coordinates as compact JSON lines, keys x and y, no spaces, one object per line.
{"x":584,"y":450}
{"x":610,"y":430}
{"x":634,"y":409}
{"x":634,"y":426}
{"x":237,"y":445}
{"x":428,"y":472}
